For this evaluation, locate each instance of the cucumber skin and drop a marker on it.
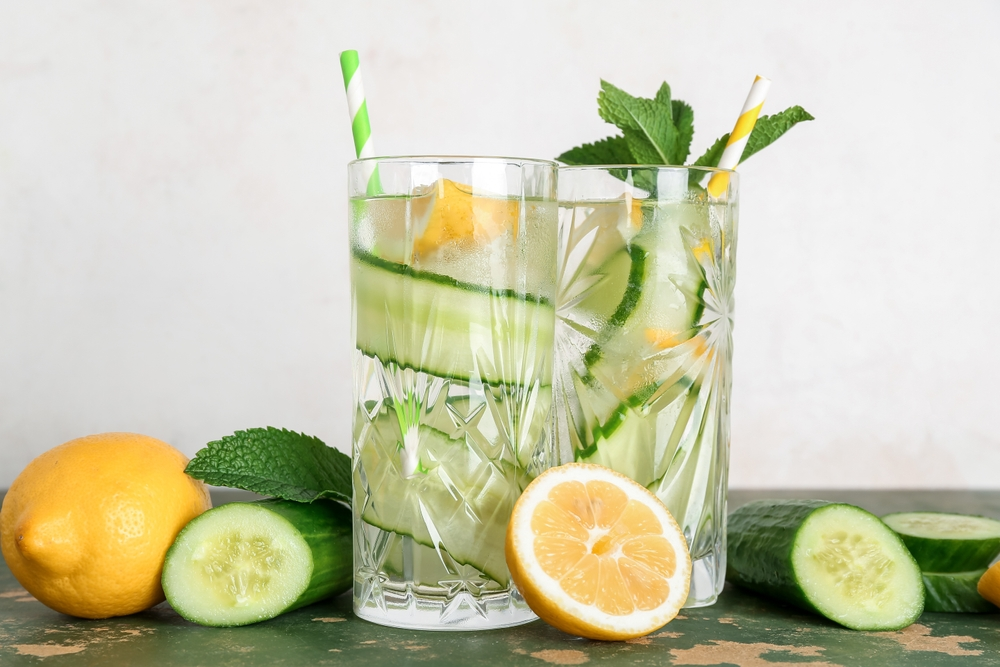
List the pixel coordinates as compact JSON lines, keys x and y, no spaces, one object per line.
{"x":950,"y":555}
{"x":524,"y":322}
{"x":328,"y":529}
{"x":760,"y":539}
{"x":934,"y":555}
{"x":955,"y":592}
{"x":624,"y":310}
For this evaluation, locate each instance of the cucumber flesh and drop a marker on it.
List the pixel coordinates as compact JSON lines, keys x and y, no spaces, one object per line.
{"x":837,"y":560}
{"x":241,"y":563}
{"x":594,"y":300}
{"x":627,"y":448}
{"x":649,"y":355}
{"x":663,"y":297}
{"x":447,"y":328}
{"x":616,"y":299}
{"x":955,"y":592}
{"x":942,"y":542}
{"x":629,"y":441}
{"x":456,"y":500}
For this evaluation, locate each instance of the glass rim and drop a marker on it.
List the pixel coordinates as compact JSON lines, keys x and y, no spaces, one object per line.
{"x":648,"y":167}
{"x":456,"y":159}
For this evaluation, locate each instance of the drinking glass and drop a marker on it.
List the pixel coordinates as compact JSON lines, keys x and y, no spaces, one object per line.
{"x":644,"y":340}
{"x":453,"y":269}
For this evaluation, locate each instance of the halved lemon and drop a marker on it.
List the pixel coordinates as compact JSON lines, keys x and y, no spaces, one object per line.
{"x":597,"y":555}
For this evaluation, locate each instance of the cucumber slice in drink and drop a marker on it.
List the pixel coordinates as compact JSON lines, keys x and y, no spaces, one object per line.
{"x":657,"y":311}
{"x":834,"y":559}
{"x":955,"y":592}
{"x":441,"y":326}
{"x":943,"y":542}
{"x":456,"y":499}
{"x":609,"y":295}
{"x":651,"y":341}
{"x":241,"y":563}
{"x":627,"y":448}
{"x":628,"y":441}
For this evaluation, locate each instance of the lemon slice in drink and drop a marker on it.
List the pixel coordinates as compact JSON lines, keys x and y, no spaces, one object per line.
{"x":597,"y":555}
{"x":459,"y":217}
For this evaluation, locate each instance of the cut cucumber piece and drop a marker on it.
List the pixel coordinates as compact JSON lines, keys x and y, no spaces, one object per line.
{"x":665,"y":286}
{"x":241,"y":563}
{"x":457,"y":499}
{"x":627,"y":448}
{"x":955,"y":592}
{"x":651,"y":342}
{"x":638,"y":405}
{"x":595,"y":271}
{"x":641,"y":443}
{"x":834,"y":559}
{"x":435,"y":324}
{"x":943,"y":542}
{"x":617,"y":299}
{"x":605,"y":300}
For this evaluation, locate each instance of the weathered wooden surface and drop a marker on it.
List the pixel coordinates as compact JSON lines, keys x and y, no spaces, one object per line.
{"x":739,"y":630}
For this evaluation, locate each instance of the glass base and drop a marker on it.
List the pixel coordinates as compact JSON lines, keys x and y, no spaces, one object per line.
{"x":708,"y":576}
{"x":402,"y":608}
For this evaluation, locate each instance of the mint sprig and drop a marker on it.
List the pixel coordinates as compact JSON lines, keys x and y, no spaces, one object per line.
{"x":659,"y":131}
{"x":275,"y":462}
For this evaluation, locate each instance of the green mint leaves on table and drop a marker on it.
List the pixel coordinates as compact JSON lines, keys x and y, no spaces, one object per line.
{"x":658,"y":131}
{"x":275,"y":462}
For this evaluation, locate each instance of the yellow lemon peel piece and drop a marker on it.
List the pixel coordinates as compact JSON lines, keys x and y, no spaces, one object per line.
{"x":459,"y":217}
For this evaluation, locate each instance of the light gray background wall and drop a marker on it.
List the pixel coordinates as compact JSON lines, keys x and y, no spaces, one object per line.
{"x":172,"y":208}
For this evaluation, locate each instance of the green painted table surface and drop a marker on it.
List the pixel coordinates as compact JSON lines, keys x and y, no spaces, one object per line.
{"x":739,"y":629}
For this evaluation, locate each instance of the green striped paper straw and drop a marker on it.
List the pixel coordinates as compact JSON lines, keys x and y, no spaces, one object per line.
{"x":361,"y":127}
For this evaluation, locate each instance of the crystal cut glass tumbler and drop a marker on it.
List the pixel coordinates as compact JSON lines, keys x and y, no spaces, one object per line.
{"x":644,"y":340}
{"x":453,"y":270}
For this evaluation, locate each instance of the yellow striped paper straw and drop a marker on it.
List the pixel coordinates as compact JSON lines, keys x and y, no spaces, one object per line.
{"x":740,"y":134}
{"x":361,"y":127}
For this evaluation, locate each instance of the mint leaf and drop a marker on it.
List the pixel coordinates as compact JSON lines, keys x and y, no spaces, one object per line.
{"x":643,"y":150}
{"x":612,"y":150}
{"x":684,"y":122}
{"x":711,"y":157}
{"x":765,"y":132}
{"x":647,"y":124}
{"x":663,"y":94}
{"x":769,"y":128}
{"x":275,"y":462}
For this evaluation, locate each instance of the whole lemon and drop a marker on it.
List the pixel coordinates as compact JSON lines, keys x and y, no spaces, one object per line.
{"x":86,"y":525}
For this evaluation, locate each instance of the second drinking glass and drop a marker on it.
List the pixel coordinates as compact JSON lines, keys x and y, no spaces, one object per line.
{"x":644,"y":340}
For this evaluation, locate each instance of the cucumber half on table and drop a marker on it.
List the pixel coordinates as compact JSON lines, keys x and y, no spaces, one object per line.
{"x":942,"y":542}
{"x":241,"y":563}
{"x":834,"y":559}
